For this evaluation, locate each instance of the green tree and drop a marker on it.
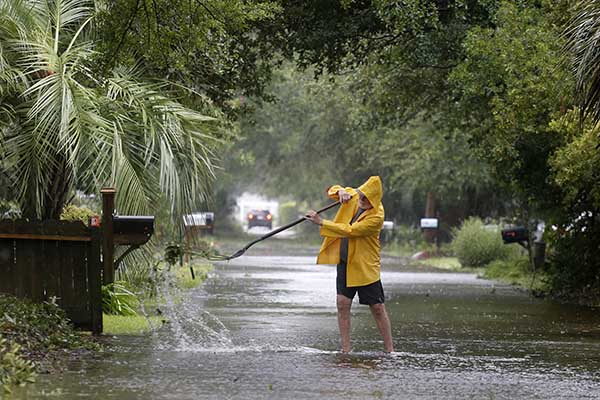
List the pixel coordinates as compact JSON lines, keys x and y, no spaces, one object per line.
{"x":506,"y":91}
{"x":209,"y":46}
{"x":62,"y":126}
{"x":296,"y":145}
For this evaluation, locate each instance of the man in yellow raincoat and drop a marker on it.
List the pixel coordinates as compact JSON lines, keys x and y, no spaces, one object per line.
{"x":352,"y":242}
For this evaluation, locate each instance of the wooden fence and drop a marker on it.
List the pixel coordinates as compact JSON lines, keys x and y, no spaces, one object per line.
{"x":54,"y":259}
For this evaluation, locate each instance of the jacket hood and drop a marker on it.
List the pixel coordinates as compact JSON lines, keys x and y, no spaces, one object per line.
{"x":373,"y":190}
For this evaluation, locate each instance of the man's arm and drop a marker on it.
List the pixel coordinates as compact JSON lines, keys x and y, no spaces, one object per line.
{"x":369,"y":226}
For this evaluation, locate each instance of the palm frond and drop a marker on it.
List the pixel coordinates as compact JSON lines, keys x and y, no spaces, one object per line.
{"x":583,"y":44}
{"x":174,"y":136}
{"x":99,"y":130}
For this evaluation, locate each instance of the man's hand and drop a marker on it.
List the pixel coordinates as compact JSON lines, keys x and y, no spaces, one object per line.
{"x":344,"y":196}
{"x":313,"y":217}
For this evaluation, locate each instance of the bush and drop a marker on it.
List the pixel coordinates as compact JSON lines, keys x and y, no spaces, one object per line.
{"x":14,"y":368}
{"x":476,"y":245}
{"x":38,"y":327}
{"x":574,"y":265}
{"x":117,"y":299}
{"x":9,"y":210}
{"x":74,"y":213}
{"x":33,"y":335}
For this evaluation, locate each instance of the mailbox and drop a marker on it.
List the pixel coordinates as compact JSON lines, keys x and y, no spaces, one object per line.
{"x":515,"y":235}
{"x":429,"y":223}
{"x":132,"y":230}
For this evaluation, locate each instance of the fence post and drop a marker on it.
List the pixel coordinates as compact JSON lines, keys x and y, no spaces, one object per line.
{"x":108,"y":245}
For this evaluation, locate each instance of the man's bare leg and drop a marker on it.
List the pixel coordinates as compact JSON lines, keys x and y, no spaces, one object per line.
{"x":343,"y":307}
{"x":384,"y":326}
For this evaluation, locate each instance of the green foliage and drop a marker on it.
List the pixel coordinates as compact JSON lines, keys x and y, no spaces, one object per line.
{"x":477,"y":245}
{"x":75,"y":213}
{"x":38,"y":327}
{"x":447,"y":263}
{"x":63,"y":124}
{"x":517,"y":271}
{"x":117,"y":299}
{"x":583,"y":44}
{"x":319,"y":133}
{"x":291,"y":147}
{"x":420,"y":157}
{"x":184,"y":279}
{"x":508,"y":88}
{"x":407,"y":240}
{"x":9,"y":210}
{"x":210,"y":46}
{"x":511,"y":271}
{"x":574,"y":266}
{"x":136,"y":269}
{"x":14,"y":369}
{"x":575,"y":164}
{"x":33,"y":334}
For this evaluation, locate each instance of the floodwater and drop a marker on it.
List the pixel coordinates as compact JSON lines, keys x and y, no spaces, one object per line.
{"x":265,"y":327}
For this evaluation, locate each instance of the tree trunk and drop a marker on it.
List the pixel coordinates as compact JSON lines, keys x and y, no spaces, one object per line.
{"x":60,"y":187}
{"x":55,"y":195}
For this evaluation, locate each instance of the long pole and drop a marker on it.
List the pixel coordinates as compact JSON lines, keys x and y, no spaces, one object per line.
{"x":280,"y":229}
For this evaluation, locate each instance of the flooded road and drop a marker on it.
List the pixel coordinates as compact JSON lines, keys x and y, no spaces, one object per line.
{"x":265,"y":327}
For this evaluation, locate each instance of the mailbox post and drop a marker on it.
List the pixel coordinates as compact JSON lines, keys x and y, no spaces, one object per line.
{"x":430,"y":226}
{"x":126,"y":230}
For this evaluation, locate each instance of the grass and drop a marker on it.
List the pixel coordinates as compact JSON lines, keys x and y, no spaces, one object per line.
{"x":517,"y":272}
{"x":514,"y":271}
{"x":129,"y":324}
{"x":184,"y":276}
{"x":448,"y":263}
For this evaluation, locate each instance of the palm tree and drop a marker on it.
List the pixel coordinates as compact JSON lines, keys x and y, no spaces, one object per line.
{"x":583,"y":44}
{"x":64,"y":127}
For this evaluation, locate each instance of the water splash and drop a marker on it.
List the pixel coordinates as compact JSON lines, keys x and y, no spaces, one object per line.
{"x":188,"y":327}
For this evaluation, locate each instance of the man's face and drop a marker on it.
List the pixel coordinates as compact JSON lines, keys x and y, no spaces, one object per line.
{"x":363,"y":202}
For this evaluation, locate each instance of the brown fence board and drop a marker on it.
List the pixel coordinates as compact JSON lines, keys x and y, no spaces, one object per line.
{"x":36,"y":236}
{"x":95,"y":267}
{"x":36,"y":274}
{"x":66,"y":267}
{"x":78,"y":265}
{"x":25,"y":253}
{"x":51,"y":268}
{"x":6,"y":265}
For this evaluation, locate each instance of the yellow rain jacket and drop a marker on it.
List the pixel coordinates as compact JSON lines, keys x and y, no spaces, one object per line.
{"x":363,"y":266}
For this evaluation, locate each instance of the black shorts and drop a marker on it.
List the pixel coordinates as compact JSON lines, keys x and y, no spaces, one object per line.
{"x":369,"y":294}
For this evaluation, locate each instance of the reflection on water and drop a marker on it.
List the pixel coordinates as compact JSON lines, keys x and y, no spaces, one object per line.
{"x":265,"y":327}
